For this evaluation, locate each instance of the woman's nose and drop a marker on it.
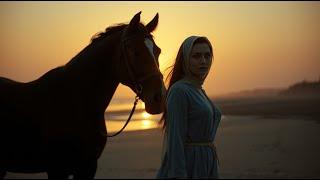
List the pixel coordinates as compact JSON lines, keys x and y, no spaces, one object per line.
{"x":203,"y":60}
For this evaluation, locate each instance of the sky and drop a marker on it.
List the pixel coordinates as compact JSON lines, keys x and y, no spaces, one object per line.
{"x":256,"y":44}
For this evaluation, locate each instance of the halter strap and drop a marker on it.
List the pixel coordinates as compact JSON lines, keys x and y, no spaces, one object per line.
{"x":136,"y":81}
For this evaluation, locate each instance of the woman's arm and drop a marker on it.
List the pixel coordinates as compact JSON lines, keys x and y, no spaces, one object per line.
{"x":177,"y":110}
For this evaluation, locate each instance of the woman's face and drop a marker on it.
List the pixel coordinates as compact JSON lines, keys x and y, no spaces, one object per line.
{"x":200,"y":60}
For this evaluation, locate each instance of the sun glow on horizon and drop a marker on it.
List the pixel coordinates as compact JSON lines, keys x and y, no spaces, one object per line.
{"x":256,"y":44}
{"x":145,"y":115}
{"x":146,"y":123}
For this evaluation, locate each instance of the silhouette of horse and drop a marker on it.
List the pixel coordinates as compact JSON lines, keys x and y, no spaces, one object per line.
{"x":55,"y":124}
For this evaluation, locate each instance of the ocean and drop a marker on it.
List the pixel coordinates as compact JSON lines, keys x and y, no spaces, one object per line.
{"x":119,"y":110}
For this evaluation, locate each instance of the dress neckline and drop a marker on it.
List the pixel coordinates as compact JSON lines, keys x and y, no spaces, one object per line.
{"x":193,"y":82}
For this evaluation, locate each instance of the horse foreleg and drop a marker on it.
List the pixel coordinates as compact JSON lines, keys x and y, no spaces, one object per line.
{"x":58,"y":175}
{"x":86,"y":170}
{"x":2,"y":174}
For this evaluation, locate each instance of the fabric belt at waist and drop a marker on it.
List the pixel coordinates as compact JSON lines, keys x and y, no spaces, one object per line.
{"x":208,"y":144}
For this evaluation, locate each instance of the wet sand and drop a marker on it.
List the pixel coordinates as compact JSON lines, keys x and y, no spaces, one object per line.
{"x":248,"y":147}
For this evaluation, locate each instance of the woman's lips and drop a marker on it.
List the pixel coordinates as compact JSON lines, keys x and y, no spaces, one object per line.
{"x":203,"y":68}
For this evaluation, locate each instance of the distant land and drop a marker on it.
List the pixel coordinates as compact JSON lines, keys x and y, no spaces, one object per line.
{"x":262,"y":92}
{"x":303,"y":88}
{"x":301,"y":99}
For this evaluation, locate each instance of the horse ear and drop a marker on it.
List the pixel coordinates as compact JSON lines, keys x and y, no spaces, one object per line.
{"x":135,"y":21}
{"x":151,"y":26}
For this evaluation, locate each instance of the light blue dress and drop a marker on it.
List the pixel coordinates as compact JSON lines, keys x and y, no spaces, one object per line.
{"x":191,"y":116}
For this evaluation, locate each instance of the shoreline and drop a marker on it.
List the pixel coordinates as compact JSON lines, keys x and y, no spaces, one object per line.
{"x":271,"y":106}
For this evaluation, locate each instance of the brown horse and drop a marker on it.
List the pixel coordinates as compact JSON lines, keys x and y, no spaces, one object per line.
{"x":56,"y":124}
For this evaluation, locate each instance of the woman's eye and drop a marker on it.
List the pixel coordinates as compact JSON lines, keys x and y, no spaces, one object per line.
{"x":196,"y":56}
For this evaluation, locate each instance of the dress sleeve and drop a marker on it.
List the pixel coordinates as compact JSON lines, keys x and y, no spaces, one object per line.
{"x":177,"y":108}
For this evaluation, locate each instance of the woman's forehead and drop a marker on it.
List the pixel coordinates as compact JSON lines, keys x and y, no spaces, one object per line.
{"x":200,"y":47}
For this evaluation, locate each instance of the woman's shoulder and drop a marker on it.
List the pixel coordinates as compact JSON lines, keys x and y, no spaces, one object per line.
{"x":180,"y":86}
{"x":179,"y":91}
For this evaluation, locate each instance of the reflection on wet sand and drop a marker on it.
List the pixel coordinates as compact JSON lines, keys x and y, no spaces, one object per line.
{"x":140,"y":121}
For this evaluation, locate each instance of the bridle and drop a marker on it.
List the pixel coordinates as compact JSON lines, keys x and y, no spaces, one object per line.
{"x":137,"y":81}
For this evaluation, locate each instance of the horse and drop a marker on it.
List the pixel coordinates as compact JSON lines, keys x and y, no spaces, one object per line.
{"x":55,"y":124}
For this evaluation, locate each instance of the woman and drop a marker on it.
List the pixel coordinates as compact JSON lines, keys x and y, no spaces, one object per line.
{"x":190,"y":120}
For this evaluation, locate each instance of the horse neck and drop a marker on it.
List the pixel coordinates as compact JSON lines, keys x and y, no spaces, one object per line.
{"x":92,"y":73}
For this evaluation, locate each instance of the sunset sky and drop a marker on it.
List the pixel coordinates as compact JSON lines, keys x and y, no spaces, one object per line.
{"x":256,"y":44}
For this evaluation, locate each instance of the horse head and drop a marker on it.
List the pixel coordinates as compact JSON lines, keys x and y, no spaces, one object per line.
{"x":139,"y":69}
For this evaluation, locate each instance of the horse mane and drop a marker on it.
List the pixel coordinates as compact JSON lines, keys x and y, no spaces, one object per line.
{"x":98,"y":37}
{"x":111,"y":29}
{"x":95,"y":39}
{"x":108,"y":31}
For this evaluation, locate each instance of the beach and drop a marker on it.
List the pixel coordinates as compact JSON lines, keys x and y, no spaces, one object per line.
{"x":248,"y":147}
